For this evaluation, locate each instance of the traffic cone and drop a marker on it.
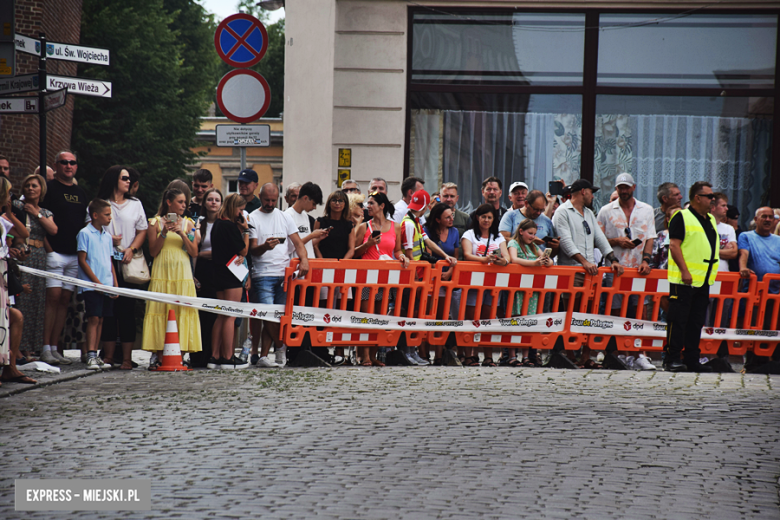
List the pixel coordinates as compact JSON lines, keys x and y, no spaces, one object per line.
{"x":171,"y":358}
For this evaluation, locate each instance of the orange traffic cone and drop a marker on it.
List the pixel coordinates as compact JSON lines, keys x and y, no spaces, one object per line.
{"x":171,"y":358}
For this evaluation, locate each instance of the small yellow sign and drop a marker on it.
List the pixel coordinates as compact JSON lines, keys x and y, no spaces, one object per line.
{"x":6,"y":29}
{"x":345,"y":157}
{"x":6,"y":71}
{"x":344,"y":175}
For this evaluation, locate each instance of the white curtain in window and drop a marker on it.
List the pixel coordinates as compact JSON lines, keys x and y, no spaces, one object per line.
{"x":426,"y":157}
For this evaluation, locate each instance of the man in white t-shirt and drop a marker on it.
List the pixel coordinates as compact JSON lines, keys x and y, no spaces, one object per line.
{"x":727,"y":238}
{"x":269,"y":229}
{"x":309,"y":197}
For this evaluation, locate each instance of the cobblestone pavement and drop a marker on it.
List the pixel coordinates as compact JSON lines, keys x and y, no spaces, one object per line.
{"x":407,"y":443}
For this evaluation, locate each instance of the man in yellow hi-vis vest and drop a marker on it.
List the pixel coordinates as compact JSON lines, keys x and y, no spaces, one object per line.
{"x":693,"y":266}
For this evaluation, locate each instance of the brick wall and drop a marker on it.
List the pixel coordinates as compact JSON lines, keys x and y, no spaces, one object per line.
{"x":60,"y":20}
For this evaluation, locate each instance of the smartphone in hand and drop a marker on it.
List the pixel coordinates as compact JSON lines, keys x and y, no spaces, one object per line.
{"x":636,"y":242}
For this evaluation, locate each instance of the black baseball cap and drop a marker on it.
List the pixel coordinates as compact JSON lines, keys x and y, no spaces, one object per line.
{"x":247,"y":176}
{"x":732,"y":212}
{"x":581,"y":184}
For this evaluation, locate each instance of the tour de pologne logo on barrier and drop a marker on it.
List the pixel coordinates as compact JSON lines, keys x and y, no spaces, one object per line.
{"x":599,"y":324}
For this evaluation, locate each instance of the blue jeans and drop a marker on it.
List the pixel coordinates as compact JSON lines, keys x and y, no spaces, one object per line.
{"x":268,"y":290}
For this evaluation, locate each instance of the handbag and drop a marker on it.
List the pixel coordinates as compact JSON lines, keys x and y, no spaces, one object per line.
{"x":137,"y":271}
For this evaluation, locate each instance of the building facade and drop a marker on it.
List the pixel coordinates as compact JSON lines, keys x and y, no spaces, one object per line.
{"x":456,"y":91}
{"x":19,"y":134}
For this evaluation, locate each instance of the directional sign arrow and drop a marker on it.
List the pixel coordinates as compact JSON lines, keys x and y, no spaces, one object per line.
{"x":26,"y":83}
{"x":84,"y":87}
{"x":19,"y":105}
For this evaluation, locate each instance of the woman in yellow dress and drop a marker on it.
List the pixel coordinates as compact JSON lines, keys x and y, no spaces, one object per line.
{"x":172,"y":242}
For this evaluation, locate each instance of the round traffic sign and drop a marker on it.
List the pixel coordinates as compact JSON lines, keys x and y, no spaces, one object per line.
{"x":241,"y":40}
{"x":243,"y":95}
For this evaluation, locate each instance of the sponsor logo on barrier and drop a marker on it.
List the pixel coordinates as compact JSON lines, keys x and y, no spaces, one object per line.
{"x":599,"y":324}
{"x":659,"y":326}
{"x":549,"y":322}
{"x":302,"y":316}
{"x":278,"y":314}
{"x":517,"y":322}
{"x":764,"y":333}
{"x":368,"y":321}
{"x":627,"y":325}
{"x":328,"y":318}
{"x":443,"y":323}
{"x":220,"y":308}
{"x":639,"y":326}
{"x":475,"y":323}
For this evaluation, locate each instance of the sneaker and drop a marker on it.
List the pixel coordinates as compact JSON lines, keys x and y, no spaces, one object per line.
{"x":629,"y":362}
{"x":234,"y":363}
{"x":281,"y":357}
{"x":59,"y":357}
{"x":213,"y":364}
{"x":418,"y":359}
{"x":337,"y":361}
{"x":47,"y":357}
{"x":94,"y":364}
{"x":643,"y":363}
{"x":154,"y":362}
{"x":264,"y":362}
{"x":702,"y":360}
{"x":253,"y":359}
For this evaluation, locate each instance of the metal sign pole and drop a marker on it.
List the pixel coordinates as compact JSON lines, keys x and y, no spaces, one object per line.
{"x":41,"y":111}
{"x":243,"y":157}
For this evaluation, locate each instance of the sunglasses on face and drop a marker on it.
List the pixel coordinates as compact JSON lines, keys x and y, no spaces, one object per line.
{"x":124,"y":178}
{"x":710,"y":196}
{"x":350,"y":190}
{"x":65,"y":163}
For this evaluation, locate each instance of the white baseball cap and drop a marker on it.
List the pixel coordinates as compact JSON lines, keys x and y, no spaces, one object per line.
{"x":624,"y":178}
{"x":518,"y":185}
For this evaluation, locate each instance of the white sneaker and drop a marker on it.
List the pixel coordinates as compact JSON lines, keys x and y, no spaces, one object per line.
{"x":94,"y":364}
{"x":59,"y":357}
{"x":264,"y":362}
{"x":281,"y":357}
{"x":643,"y":363}
{"x":48,"y":357}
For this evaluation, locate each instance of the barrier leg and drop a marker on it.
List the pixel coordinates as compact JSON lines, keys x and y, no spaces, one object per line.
{"x":307,"y":358}
{"x":611,"y":361}
{"x":558,"y":357}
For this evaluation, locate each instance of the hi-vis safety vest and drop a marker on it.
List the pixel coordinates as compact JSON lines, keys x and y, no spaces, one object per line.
{"x":695,"y":250}
{"x":418,"y":245}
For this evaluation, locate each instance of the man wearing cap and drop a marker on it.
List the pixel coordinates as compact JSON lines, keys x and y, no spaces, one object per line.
{"x":629,"y":226}
{"x":247,"y":184}
{"x":415,"y":242}
{"x":579,"y":232}
{"x":409,"y":187}
{"x":517,"y":194}
{"x":693,"y":267}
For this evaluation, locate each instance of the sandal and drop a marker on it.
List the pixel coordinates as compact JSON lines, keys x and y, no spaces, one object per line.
{"x":471,"y":362}
{"x":366,"y":363}
{"x":126,"y":365}
{"x":528,"y":363}
{"x":377,"y":363}
{"x":590,"y":364}
{"x":488,"y":363}
{"x":515,"y":363}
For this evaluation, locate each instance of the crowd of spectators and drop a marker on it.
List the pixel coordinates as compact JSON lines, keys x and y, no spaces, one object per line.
{"x":236,"y":248}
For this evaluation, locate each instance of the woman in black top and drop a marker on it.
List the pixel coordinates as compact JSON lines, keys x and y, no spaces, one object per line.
{"x":204,"y":273}
{"x":340,"y":242}
{"x":229,"y":243}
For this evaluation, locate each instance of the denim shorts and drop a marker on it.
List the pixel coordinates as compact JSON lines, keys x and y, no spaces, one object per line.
{"x":97,"y":304}
{"x":268,"y":290}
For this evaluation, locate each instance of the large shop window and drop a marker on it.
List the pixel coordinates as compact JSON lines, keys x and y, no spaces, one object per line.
{"x":502,"y":94}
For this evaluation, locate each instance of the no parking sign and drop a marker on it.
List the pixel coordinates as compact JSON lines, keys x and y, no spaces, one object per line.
{"x":241,"y":40}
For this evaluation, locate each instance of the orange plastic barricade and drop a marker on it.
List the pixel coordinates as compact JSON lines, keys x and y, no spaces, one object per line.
{"x":767,"y":315}
{"x":496,"y":287}
{"x":339,"y":285}
{"x":648,"y":291}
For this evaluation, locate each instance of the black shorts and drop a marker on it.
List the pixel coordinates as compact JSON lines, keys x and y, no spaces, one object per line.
{"x":97,"y":304}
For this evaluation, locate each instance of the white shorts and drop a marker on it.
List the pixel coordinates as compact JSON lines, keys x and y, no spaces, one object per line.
{"x":65,"y":265}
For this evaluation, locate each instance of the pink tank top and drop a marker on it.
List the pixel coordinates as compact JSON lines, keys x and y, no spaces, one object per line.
{"x":386,"y":245}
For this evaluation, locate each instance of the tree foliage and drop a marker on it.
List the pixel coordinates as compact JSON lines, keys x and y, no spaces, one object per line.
{"x":162,"y":69}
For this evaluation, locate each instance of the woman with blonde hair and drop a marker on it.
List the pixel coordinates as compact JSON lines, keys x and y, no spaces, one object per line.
{"x":172,"y":242}
{"x":229,"y":244}
{"x":39,"y":222}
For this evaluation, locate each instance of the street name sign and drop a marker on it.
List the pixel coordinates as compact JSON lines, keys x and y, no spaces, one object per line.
{"x":25,"y":83}
{"x":243,"y":135}
{"x":28,"y":45}
{"x":68,"y":52}
{"x":241,"y":40}
{"x":56,"y":99}
{"x":19,"y":105}
{"x":243,"y":95}
{"x":85,"y":87}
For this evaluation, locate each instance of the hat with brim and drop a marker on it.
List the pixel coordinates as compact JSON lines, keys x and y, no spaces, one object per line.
{"x":581,"y":184}
{"x":420,"y":199}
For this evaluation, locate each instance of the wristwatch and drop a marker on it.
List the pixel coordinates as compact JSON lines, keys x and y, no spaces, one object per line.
{"x":134,"y":250}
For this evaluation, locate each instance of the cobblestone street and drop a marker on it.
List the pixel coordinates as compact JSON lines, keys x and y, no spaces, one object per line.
{"x":407,"y":443}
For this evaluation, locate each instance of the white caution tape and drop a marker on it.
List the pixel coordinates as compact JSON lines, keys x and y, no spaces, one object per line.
{"x":615,"y":326}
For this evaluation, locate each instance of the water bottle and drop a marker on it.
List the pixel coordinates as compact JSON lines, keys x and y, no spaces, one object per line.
{"x":246,"y":348}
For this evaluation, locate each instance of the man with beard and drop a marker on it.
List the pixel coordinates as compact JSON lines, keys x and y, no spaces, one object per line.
{"x":629,"y":226}
{"x":491,"y":194}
